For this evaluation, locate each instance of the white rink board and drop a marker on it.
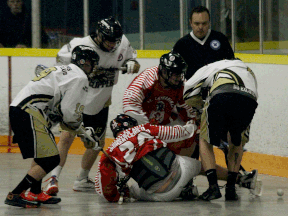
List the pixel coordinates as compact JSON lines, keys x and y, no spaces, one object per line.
{"x":269,"y":126}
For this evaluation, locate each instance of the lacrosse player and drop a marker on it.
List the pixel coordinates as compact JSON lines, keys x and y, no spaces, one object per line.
{"x":144,"y":153}
{"x":115,"y":52}
{"x":226,"y":91}
{"x":56,"y":95}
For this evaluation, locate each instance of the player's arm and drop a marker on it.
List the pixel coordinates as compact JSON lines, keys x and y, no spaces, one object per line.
{"x":176,"y":133}
{"x":185,"y":111}
{"x":133,"y":98}
{"x":194,"y":94}
{"x":72,"y":105}
{"x":106,"y":180}
{"x":131,"y":64}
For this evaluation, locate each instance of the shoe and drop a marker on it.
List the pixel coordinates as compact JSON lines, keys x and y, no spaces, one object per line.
{"x":190,"y":193}
{"x":248,"y":180}
{"x":20,"y":200}
{"x":213,"y":192}
{"x":230,"y":193}
{"x":42,"y":198}
{"x":52,"y":188}
{"x":257,"y":191}
{"x":84,"y":185}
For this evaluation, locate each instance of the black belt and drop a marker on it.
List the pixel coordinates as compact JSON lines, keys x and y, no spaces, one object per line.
{"x":232,"y":88}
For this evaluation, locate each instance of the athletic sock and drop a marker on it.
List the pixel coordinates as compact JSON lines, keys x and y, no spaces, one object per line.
{"x":36,"y":188}
{"x":238,"y":180}
{"x":56,"y":172}
{"x":211,"y":176}
{"x":83,"y":174}
{"x":232,"y":177}
{"x":26,"y":183}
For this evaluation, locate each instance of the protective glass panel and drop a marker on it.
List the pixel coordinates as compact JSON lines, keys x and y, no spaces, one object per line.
{"x":129,"y":19}
{"x":246,"y":24}
{"x":162,"y":24}
{"x":275,"y":27}
{"x":62,"y":20}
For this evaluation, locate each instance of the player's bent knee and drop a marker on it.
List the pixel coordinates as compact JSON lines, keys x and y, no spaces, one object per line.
{"x":48,"y":163}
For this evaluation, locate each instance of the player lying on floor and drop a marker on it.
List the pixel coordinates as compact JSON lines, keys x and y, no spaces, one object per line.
{"x":139,"y":152}
{"x":144,"y":153}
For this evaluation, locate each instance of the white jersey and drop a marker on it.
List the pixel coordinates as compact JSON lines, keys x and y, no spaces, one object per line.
{"x":214,"y":76}
{"x":100,"y":90}
{"x":60,"y":92}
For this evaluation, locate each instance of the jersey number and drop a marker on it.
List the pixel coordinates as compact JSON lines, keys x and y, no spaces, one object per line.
{"x":129,"y":146}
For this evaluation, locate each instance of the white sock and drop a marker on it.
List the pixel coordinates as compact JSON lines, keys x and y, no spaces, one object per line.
{"x":83,"y":174}
{"x":56,"y":172}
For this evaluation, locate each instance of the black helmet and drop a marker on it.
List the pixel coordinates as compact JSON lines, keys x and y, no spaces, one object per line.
{"x":173,"y":63}
{"x":108,"y":29}
{"x":122,"y":122}
{"x":80,"y":54}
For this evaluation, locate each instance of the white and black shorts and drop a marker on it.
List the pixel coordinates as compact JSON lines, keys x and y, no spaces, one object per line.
{"x":98,"y":122}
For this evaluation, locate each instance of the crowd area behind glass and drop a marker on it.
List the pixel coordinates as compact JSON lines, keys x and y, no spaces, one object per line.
{"x":63,"y":20}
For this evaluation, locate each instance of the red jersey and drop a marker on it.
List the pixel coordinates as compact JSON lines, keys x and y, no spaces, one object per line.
{"x":130,"y":146}
{"x":147,"y":101}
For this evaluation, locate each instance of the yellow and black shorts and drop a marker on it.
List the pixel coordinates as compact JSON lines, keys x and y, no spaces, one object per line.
{"x":227,"y":112}
{"x":34,"y":138}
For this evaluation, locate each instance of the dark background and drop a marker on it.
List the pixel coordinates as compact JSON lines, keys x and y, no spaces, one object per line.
{"x":66,"y":16}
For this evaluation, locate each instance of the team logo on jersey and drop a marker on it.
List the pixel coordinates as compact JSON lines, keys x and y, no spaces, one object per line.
{"x":120,"y":57}
{"x":215,"y":44}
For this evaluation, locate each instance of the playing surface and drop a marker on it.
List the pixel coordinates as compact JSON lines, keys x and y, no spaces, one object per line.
{"x":13,"y":169}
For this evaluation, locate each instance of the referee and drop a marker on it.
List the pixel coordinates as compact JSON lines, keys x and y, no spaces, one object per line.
{"x":202,"y":45}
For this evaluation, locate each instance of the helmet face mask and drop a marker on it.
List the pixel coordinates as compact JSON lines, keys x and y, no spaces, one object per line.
{"x":108,"y":34}
{"x":85,"y":58}
{"x":173,"y":68}
{"x":121,"y":123}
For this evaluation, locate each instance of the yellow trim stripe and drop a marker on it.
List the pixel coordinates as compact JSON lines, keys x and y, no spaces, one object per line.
{"x":263,"y":58}
{"x":249,"y":58}
{"x":267,"y":45}
{"x":29,"y":52}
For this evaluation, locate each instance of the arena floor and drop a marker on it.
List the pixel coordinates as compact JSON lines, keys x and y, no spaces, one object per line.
{"x":13,"y":169}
